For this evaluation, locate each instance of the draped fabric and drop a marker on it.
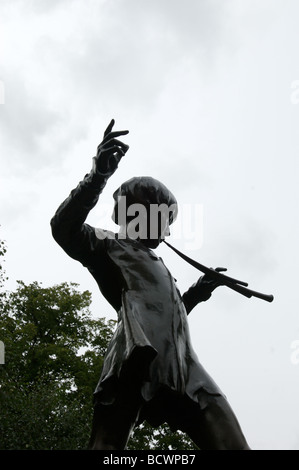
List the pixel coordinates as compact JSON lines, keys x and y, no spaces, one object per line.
{"x":153,"y":325}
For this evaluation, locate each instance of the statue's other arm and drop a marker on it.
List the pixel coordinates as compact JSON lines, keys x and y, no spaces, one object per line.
{"x":195,"y":294}
{"x":200,"y":291}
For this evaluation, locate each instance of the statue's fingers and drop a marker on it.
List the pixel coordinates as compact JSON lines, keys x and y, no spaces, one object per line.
{"x":115,"y":142}
{"x":114,"y":149}
{"x":114,"y":134}
{"x":109,"y":128}
{"x":115,"y":159}
{"x":219,"y":270}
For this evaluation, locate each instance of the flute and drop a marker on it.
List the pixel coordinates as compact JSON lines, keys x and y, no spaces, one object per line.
{"x":234,"y":284}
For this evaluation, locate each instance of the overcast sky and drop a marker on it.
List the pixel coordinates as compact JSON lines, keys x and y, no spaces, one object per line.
{"x":209,"y":92}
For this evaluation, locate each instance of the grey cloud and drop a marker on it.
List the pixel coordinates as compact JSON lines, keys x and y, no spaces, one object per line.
{"x":132,"y":48}
{"x":249,"y":246}
{"x":38,"y":6}
{"x":122,"y":55}
{"x":24,"y":119}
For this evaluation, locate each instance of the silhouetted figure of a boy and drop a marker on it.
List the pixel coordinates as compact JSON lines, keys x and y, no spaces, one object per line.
{"x":151,"y":371}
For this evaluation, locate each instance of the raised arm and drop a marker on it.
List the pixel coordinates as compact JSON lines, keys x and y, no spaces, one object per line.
{"x":68,"y":224}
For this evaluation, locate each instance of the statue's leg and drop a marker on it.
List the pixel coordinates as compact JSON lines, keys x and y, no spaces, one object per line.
{"x":215,"y":426}
{"x":113,"y":424}
{"x":111,"y":428}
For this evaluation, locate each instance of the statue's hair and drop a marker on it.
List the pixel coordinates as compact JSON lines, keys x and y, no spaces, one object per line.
{"x":145,"y":190}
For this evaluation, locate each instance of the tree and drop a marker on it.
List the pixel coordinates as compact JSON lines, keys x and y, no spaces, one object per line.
{"x":161,"y":438}
{"x":54,"y":355}
{"x":3,"y":277}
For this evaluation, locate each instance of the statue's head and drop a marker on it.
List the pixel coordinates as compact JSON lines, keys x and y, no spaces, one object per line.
{"x":146,"y":208}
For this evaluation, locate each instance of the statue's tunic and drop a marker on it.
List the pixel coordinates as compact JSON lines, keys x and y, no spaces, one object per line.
{"x":152,"y":334}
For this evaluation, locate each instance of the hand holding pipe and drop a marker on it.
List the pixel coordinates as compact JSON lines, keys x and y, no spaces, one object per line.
{"x":234,"y":284}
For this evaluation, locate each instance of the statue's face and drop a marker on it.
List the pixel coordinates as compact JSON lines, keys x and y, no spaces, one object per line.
{"x":157,"y":230}
{"x":150,"y":224}
{"x":144,"y":208}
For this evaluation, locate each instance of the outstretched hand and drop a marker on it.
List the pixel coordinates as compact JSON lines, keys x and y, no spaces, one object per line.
{"x":208,"y":284}
{"x":211,"y":282}
{"x":110,"y":151}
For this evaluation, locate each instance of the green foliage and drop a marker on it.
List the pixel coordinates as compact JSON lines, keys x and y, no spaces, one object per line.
{"x":2,"y":253}
{"x":162,"y":438}
{"x":53,"y":357}
{"x":3,"y":277}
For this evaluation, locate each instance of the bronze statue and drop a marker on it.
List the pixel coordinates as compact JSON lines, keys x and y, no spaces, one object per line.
{"x":150,"y":371}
